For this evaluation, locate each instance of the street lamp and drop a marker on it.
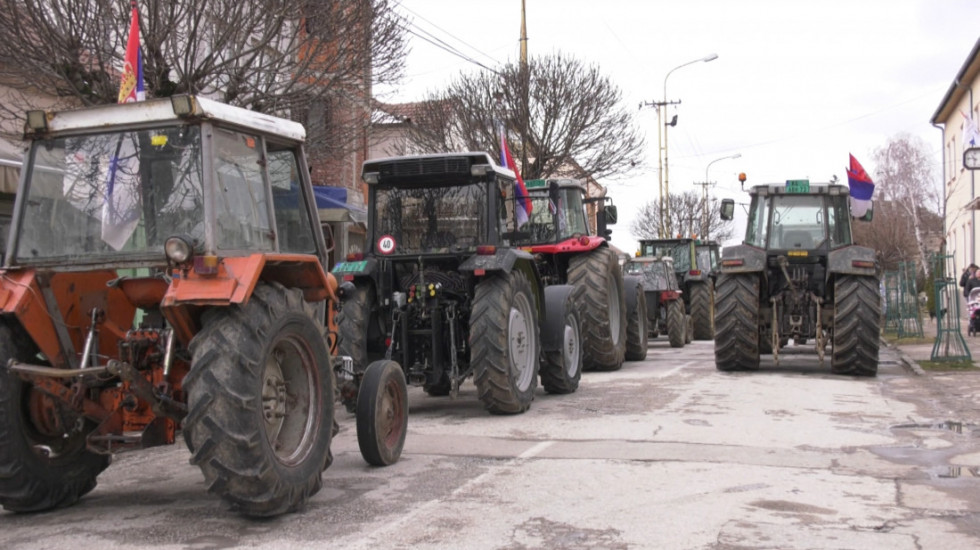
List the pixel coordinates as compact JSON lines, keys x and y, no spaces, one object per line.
{"x":662,"y":145}
{"x":707,"y":182}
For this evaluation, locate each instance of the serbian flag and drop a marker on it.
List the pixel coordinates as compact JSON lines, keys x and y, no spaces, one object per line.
{"x":131,"y":85}
{"x":861,"y":188}
{"x":523,"y":200}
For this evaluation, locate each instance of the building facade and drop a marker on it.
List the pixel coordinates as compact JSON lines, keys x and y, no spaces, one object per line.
{"x":957,"y":116}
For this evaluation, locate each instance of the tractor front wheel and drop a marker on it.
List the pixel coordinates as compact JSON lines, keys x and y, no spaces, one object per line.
{"x":676,"y":323}
{"x":561,"y":370}
{"x":636,"y":326}
{"x":260,"y":402}
{"x":382,"y":413}
{"x":44,"y":463}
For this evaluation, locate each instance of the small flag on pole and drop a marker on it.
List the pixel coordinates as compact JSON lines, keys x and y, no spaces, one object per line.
{"x":523,"y":200}
{"x":131,"y":85}
{"x":861,"y":188}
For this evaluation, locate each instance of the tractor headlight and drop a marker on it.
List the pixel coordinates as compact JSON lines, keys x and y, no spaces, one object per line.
{"x":178,"y":249}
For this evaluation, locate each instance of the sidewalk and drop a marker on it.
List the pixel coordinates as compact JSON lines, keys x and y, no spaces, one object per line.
{"x":919,"y":349}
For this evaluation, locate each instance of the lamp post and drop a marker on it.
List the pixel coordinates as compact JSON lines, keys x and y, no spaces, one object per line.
{"x":706,"y":183}
{"x":662,"y":145}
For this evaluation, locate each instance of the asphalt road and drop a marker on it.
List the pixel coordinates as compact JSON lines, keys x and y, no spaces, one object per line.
{"x":665,"y":453}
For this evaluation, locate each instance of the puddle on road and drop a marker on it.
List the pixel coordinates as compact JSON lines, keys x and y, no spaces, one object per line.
{"x":949,"y":426}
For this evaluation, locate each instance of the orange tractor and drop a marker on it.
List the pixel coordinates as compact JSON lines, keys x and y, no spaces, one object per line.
{"x":165,"y":272}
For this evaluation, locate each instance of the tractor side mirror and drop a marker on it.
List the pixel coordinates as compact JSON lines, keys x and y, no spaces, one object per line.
{"x":727,"y":209}
{"x":611,"y":214}
{"x":345,"y":291}
{"x":869,"y":215}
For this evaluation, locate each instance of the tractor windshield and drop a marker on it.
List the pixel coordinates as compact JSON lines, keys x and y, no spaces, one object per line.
{"x":554,"y":221}
{"x":654,"y":274}
{"x":443,"y":219}
{"x":111,"y":195}
{"x":798,"y":221}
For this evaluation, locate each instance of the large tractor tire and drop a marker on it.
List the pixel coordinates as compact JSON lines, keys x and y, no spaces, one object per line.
{"x":676,"y":323}
{"x":636,"y":324}
{"x":505,"y":345}
{"x":856,"y":329}
{"x":353,"y":329}
{"x":702,"y":304}
{"x":737,"y":322}
{"x":42,"y":466}
{"x":260,"y":402}
{"x":382,"y":413}
{"x":604,"y":308}
{"x":561,"y":338}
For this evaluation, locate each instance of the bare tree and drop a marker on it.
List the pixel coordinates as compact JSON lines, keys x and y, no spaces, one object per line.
{"x":895,"y":240}
{"x":285,"y":57}
{"x":904,"y":177}
{"x":686,"y":218}
{"x":562,"y":118}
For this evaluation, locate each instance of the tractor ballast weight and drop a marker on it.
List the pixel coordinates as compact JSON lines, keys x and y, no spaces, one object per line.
{"x":165,"y":272}
{"x":442,"y":290}
{"x":798,"y":276}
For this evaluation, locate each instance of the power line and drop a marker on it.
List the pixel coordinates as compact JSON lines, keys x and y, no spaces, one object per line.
{"x":434,"y":40}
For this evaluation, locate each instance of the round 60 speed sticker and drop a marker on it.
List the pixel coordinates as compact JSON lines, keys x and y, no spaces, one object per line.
{"x":386,"y":244}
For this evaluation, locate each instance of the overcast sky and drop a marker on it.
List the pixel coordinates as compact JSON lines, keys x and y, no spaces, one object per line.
{"x":797,"y":85}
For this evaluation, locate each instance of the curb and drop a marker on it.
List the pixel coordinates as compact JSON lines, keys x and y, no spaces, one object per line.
{"x":910,"y":364}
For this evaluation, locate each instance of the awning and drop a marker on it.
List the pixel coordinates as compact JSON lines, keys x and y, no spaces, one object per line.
{"x":331,"y":205}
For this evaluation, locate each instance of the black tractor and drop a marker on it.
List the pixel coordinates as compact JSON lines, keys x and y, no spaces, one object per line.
{"x":798,"y":276}
{"x":442,"y":291}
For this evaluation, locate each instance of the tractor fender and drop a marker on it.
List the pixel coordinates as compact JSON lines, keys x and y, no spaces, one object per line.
{"x":503,"y":259}
{"x":852,"y":260}
{"x":743,"y":258}
{"x":506,"y":260}
{"x":553,"y":320}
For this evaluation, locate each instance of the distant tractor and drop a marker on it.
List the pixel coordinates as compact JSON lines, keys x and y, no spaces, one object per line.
{"x":557,"y":234}
{"x":665,"y":307}
{"x":696,"y":266}
{"x":165,"y":274}
{"x":798,"y":276}
{"x":443,"y":290}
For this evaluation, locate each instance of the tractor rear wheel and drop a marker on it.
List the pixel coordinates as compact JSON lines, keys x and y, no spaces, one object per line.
{"x":41,"y":466}
{"x":604,"y":308}
{"x":737,"y":322}
{"x":856,"y":329}
{"x":382,"y":413}
{"x":260,"y":402}
{"x":636,"y":325}
{"x":352,"y":329}
{"x":505,"y":345}
{"x":676,"y":323}
{"x":561,"y":370}
{"x":702,"y":303}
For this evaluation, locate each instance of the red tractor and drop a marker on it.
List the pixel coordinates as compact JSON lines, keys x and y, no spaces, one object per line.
{"x":165,"y":272}
{"x":613,"y":308}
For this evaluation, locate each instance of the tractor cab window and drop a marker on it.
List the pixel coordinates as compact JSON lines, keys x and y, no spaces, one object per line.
{"x":757,"y":229}
{"x":241,"y":209}
{"x":798,"y":221}
{"x":554,"y":221}
{"x":838,"y":222}
{"x":293,"y":227}
{"x":411,"y":220}
{"x":113,"y":195}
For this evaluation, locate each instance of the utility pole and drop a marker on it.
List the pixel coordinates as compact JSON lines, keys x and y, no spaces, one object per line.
{"x":525,"y":90}
{"x":661,"y":146}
